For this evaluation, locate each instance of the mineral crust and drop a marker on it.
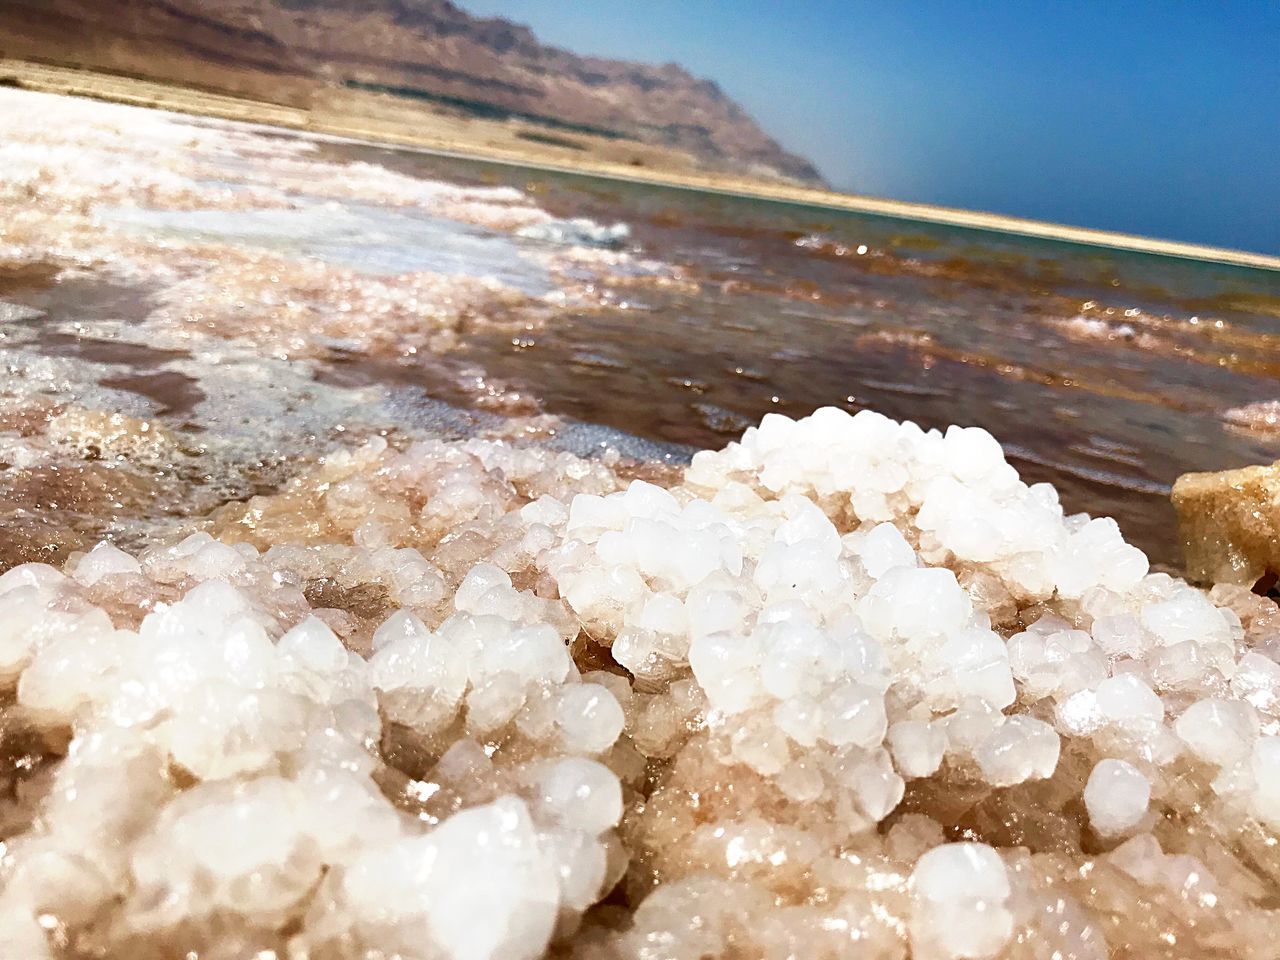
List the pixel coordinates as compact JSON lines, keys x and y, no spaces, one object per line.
{"x":848,"y":688}
{"x":1230,"y":524}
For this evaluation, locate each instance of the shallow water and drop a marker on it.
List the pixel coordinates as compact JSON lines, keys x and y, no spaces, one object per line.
{"x":263,"y":297}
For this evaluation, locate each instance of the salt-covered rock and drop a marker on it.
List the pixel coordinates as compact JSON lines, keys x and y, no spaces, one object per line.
{"x":1228,"y":523}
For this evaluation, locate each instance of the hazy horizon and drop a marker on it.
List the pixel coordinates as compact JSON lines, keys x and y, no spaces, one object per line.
{"x":1146,"y":118}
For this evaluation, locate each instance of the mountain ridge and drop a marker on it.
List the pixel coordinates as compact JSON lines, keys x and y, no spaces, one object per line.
{"x":431,"y":50}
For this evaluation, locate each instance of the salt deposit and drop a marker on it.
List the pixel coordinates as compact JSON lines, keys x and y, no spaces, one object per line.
{"x":240,"y":233}
{"x":849,"y":687}
{"x":845,"y":687}
{"x":1116,"y":797}
{"x":1228,"y":523}
{"x":239,"y":300}
{"x":1262,"y":418}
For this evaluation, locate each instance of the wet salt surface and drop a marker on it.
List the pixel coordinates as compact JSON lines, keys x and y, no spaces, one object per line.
{"x":368,"y":239}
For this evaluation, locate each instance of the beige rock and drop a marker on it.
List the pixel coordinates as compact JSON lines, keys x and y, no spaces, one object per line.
{"x":1229,"y":523}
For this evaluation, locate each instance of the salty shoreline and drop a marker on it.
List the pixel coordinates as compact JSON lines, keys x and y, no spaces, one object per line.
{"x":82,"y":83}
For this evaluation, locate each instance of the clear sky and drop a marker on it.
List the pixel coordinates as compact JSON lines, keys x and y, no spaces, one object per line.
{"x":1157,"y":118}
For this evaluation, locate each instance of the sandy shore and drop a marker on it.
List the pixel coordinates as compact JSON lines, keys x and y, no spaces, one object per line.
{"x":383,"y":120}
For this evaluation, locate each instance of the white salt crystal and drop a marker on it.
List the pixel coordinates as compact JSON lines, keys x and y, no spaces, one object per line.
{"x":1257,"y":680}
{"x":1116,"y":797}
{"x":39,"y":576}
{"x":1188,"y":617}
{"x":972,"y":663}
{"x":854,"y":714}
{"x":545,"y":510}
{"x":314,"y":646}
{"x":972,"y":452}
{"x":1265,"y":767}
{"x":1097,"y":555}
{"x":588,"y":512}
{"x":918,"y":747}
{"x":1218,"y":731}
{"x":961,"y":892}
{"x":1127,"y":701}
{"x":104,"y":560}
{"x":882,"y":548}
{"x":479,"y":581}
{"x":878,"y":787}
{"x":402,"y":626}
{"x":588,"y":717}
{"x":915,"y":603}
{"x":1119,"y":635}
{"x":580,"y":862}
{"x":1022,"y":748}
{"x":582,"y":794}
{"x":214,"y":559}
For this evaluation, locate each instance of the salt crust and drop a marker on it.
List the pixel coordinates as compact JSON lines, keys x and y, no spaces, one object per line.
{"x":92,"y":186}
{"x":850,"y":688}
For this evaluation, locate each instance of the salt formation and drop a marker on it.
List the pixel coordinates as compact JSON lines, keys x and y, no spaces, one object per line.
{"x":1229,"y":523}
{"x":848,"y":688}
{"x":1262,"y":418}
{"x":578,"y":231}
{"x":1116,"y":797}
{"x":135,"y":195}
{"x":239,"y":299}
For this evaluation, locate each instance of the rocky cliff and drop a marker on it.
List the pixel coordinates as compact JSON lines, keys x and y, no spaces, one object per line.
{"x":426,"y":50}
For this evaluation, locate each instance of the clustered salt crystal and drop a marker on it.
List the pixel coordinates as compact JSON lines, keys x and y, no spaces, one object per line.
{"x":459,"y":693}
{"x":961,"y":891}
{"x":1116,"y":797}
{"x":85,"y":184}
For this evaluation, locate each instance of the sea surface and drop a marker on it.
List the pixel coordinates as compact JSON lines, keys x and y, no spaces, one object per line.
{"x":667,"y":315}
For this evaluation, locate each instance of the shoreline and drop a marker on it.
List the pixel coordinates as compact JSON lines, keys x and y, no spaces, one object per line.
{"x":67,"y":81}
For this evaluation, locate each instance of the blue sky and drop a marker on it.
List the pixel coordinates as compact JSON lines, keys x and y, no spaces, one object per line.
{"x":1157,"y":118}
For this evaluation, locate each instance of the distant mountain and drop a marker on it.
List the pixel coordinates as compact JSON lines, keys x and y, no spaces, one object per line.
{"x":429,"y":50}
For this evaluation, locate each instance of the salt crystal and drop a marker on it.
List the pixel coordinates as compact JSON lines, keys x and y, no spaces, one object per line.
{"x":1116,"y":797}
{"x":960,"y":906}
{"x":918,"y":747}
{"x":1022,"y":748}
{"x":1218,"y":731}
{"x":104,"y":560}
